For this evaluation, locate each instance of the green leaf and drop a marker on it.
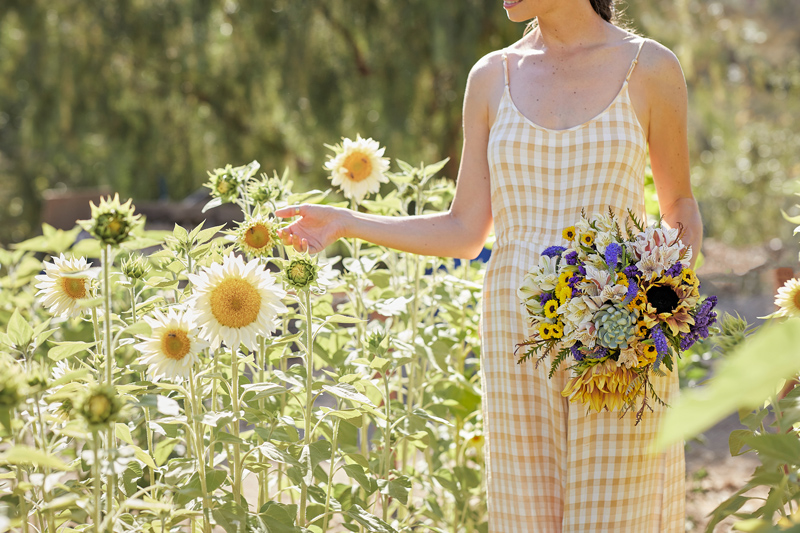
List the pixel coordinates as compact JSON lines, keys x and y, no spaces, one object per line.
{"x":139,"y":328}
{"x":19,"y":331}
{"x":273,"y":453}
{"x":143,"y":456}
{"x":357,"y":473}
{"x":347,"y":392}
{"x":736,"y":440}
{"x":352,"y":416}
{"x":396,"y":488}
{"x":782,"y":447}
{"x":743,"y":380}
{"x":23,"y":455}
{"x":62,"y":350}
{"x":369,"y":521}
{"x":123,"y":433}
{"x":163,"y":450}
{"x":433,"y":168}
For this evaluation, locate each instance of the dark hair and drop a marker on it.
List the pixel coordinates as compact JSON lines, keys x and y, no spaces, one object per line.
{"x":604,"y":8}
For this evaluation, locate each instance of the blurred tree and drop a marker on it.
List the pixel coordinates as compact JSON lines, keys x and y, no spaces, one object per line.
{"x":136,"y":94}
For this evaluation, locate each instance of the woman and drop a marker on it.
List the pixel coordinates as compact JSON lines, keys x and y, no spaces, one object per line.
{"x":558,"y":122}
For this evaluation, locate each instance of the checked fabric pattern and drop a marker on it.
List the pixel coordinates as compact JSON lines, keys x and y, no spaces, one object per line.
{"x":551,"y":466}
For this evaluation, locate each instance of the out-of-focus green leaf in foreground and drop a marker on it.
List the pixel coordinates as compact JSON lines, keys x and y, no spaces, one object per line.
{"x":746,"y":378}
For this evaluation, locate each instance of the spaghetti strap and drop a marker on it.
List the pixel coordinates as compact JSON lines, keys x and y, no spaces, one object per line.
{"x":505,"y":66}
{"x":635,"y":60}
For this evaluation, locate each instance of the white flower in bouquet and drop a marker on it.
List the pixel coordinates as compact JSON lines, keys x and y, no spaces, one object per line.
{"x":575,"y":312}
{"x":65,"y":284}
{"x":659,"y":259}
{"x":602,"y":240}
{"x":586,"y":334}
{"x":546,"y":273}
{"x":529,"y":290}
{"x":597,"y":279}
{"x":597,"y":261}
{"x":614,"y":293}
{"x":653,"y":238}
{"x":358,"y":167}
{"x":604,"y":223}
{"x":628,"y":357}
{"x":171,"y":349}
{"x":234,"y":303}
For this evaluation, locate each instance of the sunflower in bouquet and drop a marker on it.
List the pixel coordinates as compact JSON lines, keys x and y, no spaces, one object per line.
{"x":619,"y":305}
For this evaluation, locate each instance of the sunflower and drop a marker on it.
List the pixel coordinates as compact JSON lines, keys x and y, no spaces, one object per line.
{"x":669,"y":301}
{"x":112,"y":222}
{"x":689,"y":277}
{"x":550,"y":309}
{"x":234,"y":302}
{"x":358,"y":167}
{"x":788,"y":299}
{"x":647,"y":354}
{"x":170,"y":351}
{"x":557,"y":331}
{"x":569,"y":233}
{"x":638,"y":301}
{"x":256,"y":236}
{"x":564,"y":294}
{"x":65,"y":284}
{"x":587,"y":239}
{"x":545,"y":330}
{"x":604,"y":386}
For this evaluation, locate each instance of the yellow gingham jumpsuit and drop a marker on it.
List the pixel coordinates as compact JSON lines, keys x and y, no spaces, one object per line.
{"x":551,"y":467}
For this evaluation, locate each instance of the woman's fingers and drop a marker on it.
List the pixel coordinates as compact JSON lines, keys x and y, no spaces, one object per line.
{"x":289,"y":211}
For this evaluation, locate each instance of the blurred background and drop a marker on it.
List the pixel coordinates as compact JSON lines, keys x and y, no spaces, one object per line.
{"x":144,"y":96}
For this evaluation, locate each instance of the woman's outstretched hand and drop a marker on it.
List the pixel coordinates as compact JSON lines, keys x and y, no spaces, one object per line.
{"x":317,"y":227}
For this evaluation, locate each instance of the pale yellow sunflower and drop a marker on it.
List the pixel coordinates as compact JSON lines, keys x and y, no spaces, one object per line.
{"x":65,"y":284}
{"x":235,"y":302}
{"x":788,"y":299}
{"x":669,"y":301}
{"x":603,"y":386}
{"x":358,"y":167}
{"x":256,"y":236}
{"x":170,"y":351}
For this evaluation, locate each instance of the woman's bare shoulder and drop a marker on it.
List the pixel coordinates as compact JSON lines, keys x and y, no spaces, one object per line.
{"x":487,"y":71}
{"x":659,"y":65}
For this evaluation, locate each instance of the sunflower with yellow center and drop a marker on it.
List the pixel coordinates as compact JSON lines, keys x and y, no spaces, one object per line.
{"x":170,"y":351}
{"x":358,"y":167}
{"x":788,"y":299}
{"x":256,"y":236}
{"x":235,"y":302}
{"x":65,"y":284}
{"x":604,"y":386}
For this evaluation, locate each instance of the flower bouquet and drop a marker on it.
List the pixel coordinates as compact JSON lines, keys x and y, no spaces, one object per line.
{"x":619,"y":306}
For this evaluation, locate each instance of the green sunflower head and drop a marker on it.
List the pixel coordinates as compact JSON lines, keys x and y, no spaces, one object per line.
{"x":301,"y":272}
{"x":99,"y":406}
{"x":112,"y":223}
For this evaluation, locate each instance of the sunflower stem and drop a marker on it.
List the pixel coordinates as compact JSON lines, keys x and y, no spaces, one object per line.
{"x":237,"y":459}
{"x":45,"y":493}
{"x":328,"y":488}
{"x":96,"y":476}
{"x":200,"y":452}
{"x":262,"y":476}
{"x":387,"y":442}
{"x":309,"y":398}
{"x":23,"y":503}
{"x":110,"y":440}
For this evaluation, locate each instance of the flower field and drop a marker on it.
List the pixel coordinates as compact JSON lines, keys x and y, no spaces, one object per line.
{"x":146,"y":376}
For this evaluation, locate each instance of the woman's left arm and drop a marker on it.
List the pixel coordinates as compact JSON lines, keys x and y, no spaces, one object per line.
{"x":665,"y":87}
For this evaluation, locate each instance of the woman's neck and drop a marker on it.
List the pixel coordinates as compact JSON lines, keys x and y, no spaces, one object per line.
{"x":569,"y":25}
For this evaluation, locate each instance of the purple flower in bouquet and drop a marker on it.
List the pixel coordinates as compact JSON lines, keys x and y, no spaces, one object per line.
{"x":576,"y":353}
{"x":632,"y":272}
{"x":545,"y":297}
{"x":612,"y":254}
{"x":704,"y":319}
{"x":675,"y":270}
{"x":553,"y":251}
{"x":633,"y":290}
{"x":660,"y":340}
{"x":571,"y":258}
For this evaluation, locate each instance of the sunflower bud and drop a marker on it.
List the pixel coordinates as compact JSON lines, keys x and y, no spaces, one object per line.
{"x":301,"y":272}
{"x":224,"y":184}
{"x":135,"y":267}
{"x":111,"y":222}
{"x":100,"y":406}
